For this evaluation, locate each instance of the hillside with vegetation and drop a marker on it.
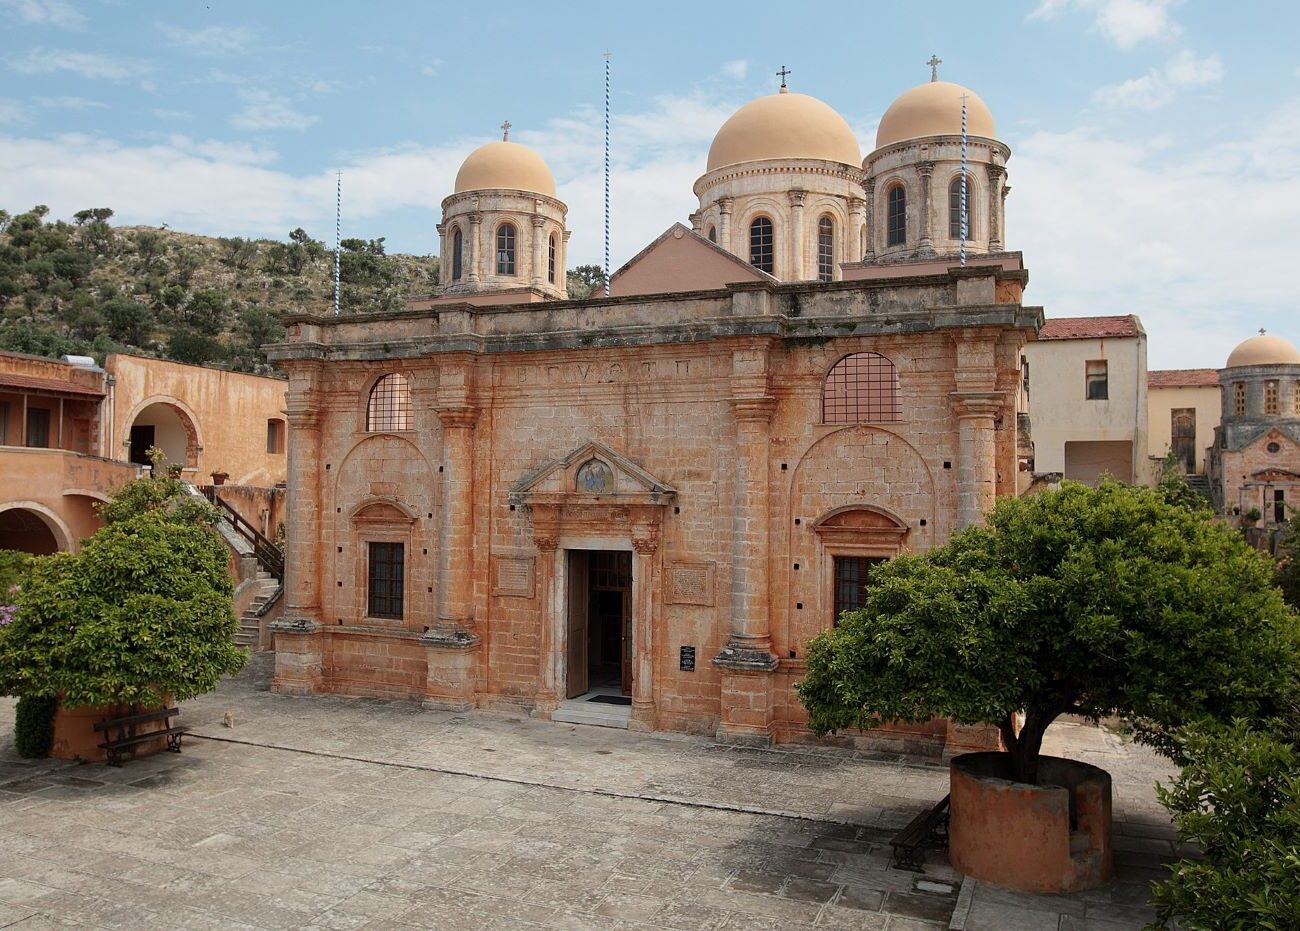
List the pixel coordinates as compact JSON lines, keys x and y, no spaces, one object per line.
{"x":84,"y":286}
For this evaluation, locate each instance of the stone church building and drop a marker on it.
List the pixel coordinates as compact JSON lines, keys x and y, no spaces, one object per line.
{"x":638,"y":509}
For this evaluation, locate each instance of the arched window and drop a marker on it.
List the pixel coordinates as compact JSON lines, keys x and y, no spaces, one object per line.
{"x":390,"y":405}
{"x":861,"y":388}
{"x":825,"y":249}
{"x":760,"y":244}
{"x":506,"y":249}
{"x":1239,"y":399}
{"x":457,"y":253}
{"x":1271,"y":405}
{"x":550,"y":260}
{"x":954,"y":209}
{"x":896,"y":216}
{"x":713,"y":234}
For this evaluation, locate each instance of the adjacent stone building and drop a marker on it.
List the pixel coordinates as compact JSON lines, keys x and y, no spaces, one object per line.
{"x":637,"y":510}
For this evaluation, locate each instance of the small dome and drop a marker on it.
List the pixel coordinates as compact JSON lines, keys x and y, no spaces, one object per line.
{"x":505,"y":166}
{"x":784,"y":125}
{"x":934,"y":109}
{"x":1264,"y":350}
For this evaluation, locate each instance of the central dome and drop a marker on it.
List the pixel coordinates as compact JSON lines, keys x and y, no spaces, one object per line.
{"x":1264,"y":349}
{"x":506,"y":166}
{"x":934,"y":109}
{"x":784,"y":125}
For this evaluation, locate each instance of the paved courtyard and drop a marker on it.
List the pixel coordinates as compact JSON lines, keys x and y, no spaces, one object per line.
{"x":337,"y":813}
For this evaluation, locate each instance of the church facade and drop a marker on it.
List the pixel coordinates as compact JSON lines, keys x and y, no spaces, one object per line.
{"x":640,"y":508}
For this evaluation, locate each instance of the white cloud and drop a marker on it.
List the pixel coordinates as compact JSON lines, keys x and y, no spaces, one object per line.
{"x":210,"y":40}
{"x":1120,"y":226}
{"x":736,"y":70}
{"x":86,"y":64}
{"x":1160,"y":85}
{"x":162,"y":113}
{"x":69,"y":103}
{"x":11,"y":111}
{"x":1125,"y":23}
{"x":44,"y":12}
{"x":264,"y":110}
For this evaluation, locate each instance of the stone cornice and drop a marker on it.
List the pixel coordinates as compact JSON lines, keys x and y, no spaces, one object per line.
{"x":475,"y":199}
{"x":775,"y":166}
{"x":993,"y":145}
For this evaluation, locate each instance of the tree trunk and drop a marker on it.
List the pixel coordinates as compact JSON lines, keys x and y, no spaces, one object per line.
{"x":1025,"y":747}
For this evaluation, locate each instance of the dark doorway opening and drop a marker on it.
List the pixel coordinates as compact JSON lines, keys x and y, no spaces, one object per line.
{"x":142,"y":439}
{"x":1182,"y":432}
{"x":600,"y":623}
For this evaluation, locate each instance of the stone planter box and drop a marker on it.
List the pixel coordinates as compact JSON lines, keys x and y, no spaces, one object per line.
{"x":1050,"y":837}
{"x":75,"y":736}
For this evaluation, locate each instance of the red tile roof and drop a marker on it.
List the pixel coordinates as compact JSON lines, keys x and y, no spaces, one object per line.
{"x":51,"y":385}
{"x":1183,"y":378}
{"x":1090,"y":327}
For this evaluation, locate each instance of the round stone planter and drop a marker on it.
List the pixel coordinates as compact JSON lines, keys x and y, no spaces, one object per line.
{"x":75,"y":737}
{"x":1050,"y":837}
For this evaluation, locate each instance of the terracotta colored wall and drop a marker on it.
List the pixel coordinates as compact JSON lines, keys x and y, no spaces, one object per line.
{"x":679,"y":263}
{"x":61,"y":486}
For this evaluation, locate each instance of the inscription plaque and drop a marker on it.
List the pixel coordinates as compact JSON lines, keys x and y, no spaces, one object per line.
{"x":690,"y":584}
{"x":688,"y":659}
{"x":513,"y":576}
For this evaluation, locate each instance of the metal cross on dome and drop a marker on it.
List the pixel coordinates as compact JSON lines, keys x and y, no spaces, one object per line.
{"x":934,"y":63}
{"x":783,"y":73}
{"x":505,"y":130}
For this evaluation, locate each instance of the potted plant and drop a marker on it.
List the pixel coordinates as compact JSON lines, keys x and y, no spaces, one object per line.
{"x":1251,"y":517}
{"x":219,"y":477}
{"x":1086,"y":601}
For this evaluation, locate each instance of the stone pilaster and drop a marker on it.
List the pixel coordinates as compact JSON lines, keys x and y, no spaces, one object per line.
{"x":797,"y":235}
{"x":977,"y":475}
{"x":870,"y":245}
{"x":539,"y":258}
{"x":925,"y":244}
{"x":724,"y":225}
{"x":644,"y":570}
{"x":995,"y":175}
{"x":853,"y":236}
{"x":552,"y":601}
{"x":475,"y":248}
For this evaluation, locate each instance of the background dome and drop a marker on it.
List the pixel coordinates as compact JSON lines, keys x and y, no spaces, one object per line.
{"x":934,"y":109}
{"x":505,"y":166}
{"x":784,"y":126}
{"x":1264,"y":350}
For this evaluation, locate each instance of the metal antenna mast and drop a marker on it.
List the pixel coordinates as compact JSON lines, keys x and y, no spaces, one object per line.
{"x":338,"y":226}
{"x":607,"y":57}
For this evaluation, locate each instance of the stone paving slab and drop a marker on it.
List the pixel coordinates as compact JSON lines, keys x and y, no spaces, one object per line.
{"x":339,"y":813}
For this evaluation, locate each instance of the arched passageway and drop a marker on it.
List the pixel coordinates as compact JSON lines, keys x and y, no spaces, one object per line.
{"x":28,"y":532}
{"x":170,"y":429}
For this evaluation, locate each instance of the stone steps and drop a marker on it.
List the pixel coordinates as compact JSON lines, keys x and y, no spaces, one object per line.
{"x":250,"y":623}
{"x":581,"y":711}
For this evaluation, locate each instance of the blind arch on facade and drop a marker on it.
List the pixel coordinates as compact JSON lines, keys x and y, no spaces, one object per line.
{"x":861,"y":388}
{"x":389,"y":407}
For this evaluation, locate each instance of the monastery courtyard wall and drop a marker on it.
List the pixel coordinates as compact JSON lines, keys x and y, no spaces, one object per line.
{"x":686,"y":430}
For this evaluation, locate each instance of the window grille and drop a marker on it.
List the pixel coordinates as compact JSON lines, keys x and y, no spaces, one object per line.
{"x":1270,"y":397}
{"x":1096,"y":380}
{"x":390,"y":405}
{"x":550,"y":260}
{"x":861,"y":388}
{"x":896,"y":216}
{"x":1239,"y":399}
{"x":760,"y":244}
{"x":506,"y":249}
{"x":825,"y":249}
{"x":954,"y":209}
{"x":457,"y":251}
{"x":387,"y":580}
{"x":852,"y":579}
{"x":610,"y":570}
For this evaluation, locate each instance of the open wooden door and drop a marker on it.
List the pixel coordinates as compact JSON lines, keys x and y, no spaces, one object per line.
{"x":576,"y":649}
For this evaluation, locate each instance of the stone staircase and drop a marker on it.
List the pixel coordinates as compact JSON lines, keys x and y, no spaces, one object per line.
{"x":250,"y":624}
{"x":1201,"y":485}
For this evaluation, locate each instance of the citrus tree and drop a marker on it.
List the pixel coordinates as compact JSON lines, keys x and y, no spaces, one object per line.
{"x":1088,"y":601}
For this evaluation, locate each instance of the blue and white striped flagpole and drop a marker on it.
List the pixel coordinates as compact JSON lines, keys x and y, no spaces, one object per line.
{"x":607,"y":56}
{"x":965,"y":216}
{"x":338,"y":226}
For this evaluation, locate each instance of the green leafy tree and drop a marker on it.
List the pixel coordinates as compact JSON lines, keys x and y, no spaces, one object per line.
{"x":1087,"y":601}
{"x":586,"y":281}
{"x":143,"y":612}
{"x":150,"y":247}
{"x":194,"y":347}
{"x":94,"y":214}
{"x":237,"y":252}
{"x":128,"y":321}
{"x":1174,"y":489}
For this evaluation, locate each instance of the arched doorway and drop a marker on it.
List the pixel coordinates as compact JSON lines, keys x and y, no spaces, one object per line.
{"x":168,"y":427}
{"x":30,"y":531}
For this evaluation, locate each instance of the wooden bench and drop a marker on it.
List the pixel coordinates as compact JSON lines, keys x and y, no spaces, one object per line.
{"x":929,"y":829}
{"x":121,"y":737}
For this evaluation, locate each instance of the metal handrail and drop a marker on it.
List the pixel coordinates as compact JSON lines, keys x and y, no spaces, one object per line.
{"x":268,"y":554}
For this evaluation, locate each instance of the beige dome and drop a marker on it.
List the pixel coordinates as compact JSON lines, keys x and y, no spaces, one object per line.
{"x":505,"y":166}
{"x":1264,"y":350}
{"x":784,"y":125}
{"x":934,"y":109}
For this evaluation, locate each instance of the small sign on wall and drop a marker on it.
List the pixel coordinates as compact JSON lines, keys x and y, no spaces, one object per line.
{"x":688,"y":659}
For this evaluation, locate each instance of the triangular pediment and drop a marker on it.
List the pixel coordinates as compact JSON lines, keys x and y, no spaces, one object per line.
{"x":592,"y":472}
{"x":680,"y":259}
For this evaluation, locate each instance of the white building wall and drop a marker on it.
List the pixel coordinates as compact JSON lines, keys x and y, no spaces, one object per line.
{"x":1207,"y":402}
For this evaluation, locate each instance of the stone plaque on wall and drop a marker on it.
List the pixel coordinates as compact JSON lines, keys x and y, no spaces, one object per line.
{"x":513,"y":576}
{"x":690,"y":583}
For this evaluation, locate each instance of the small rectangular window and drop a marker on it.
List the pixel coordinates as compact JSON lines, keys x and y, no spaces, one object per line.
{"x":275,"y":436}
{"x":1097,"y":380}
{"x":1270,"y":397}
{"x":387,"y":580}
{"x":852,"y":578}
{"x":1279,"y":506}
{"x":4,"y":423}
{"x":38,"y":428}
{"x":1239,"y":399}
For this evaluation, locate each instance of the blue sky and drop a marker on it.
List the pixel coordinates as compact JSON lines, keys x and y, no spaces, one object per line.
{"x":1156,"y":143}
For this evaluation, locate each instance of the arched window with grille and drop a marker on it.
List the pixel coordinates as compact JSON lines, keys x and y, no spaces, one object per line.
{"x":861,"y":388}
{"x":825,"y":249}
{"x":1239,"y":399}
{"x":457,"y":254}
{"x":550,"y":260}
{"x":896,"y":216}
{"x":954,"y":209}
{"x":389,"y":408}
{"x":760,"y":244}
{"x":506,"y":249}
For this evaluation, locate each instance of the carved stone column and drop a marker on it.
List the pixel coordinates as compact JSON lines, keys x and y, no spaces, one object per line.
{"x":870,"y":245}
{"x":550,"y":673}
{"x":925,"y":244}
{"x":696,"y":223}
{"x":976,"y":454}
{"x":1002,"y":213}
{"x":562,"y":273}
{"x":995,"y":175}
{"x":475,"y":247}
{"x":538,"y":259}
{"x":857,"y":207}
{"x":296,"y":635}
{"x":724,"y":224}
{"x":797,"y":271}
{"x":644,"y":566}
